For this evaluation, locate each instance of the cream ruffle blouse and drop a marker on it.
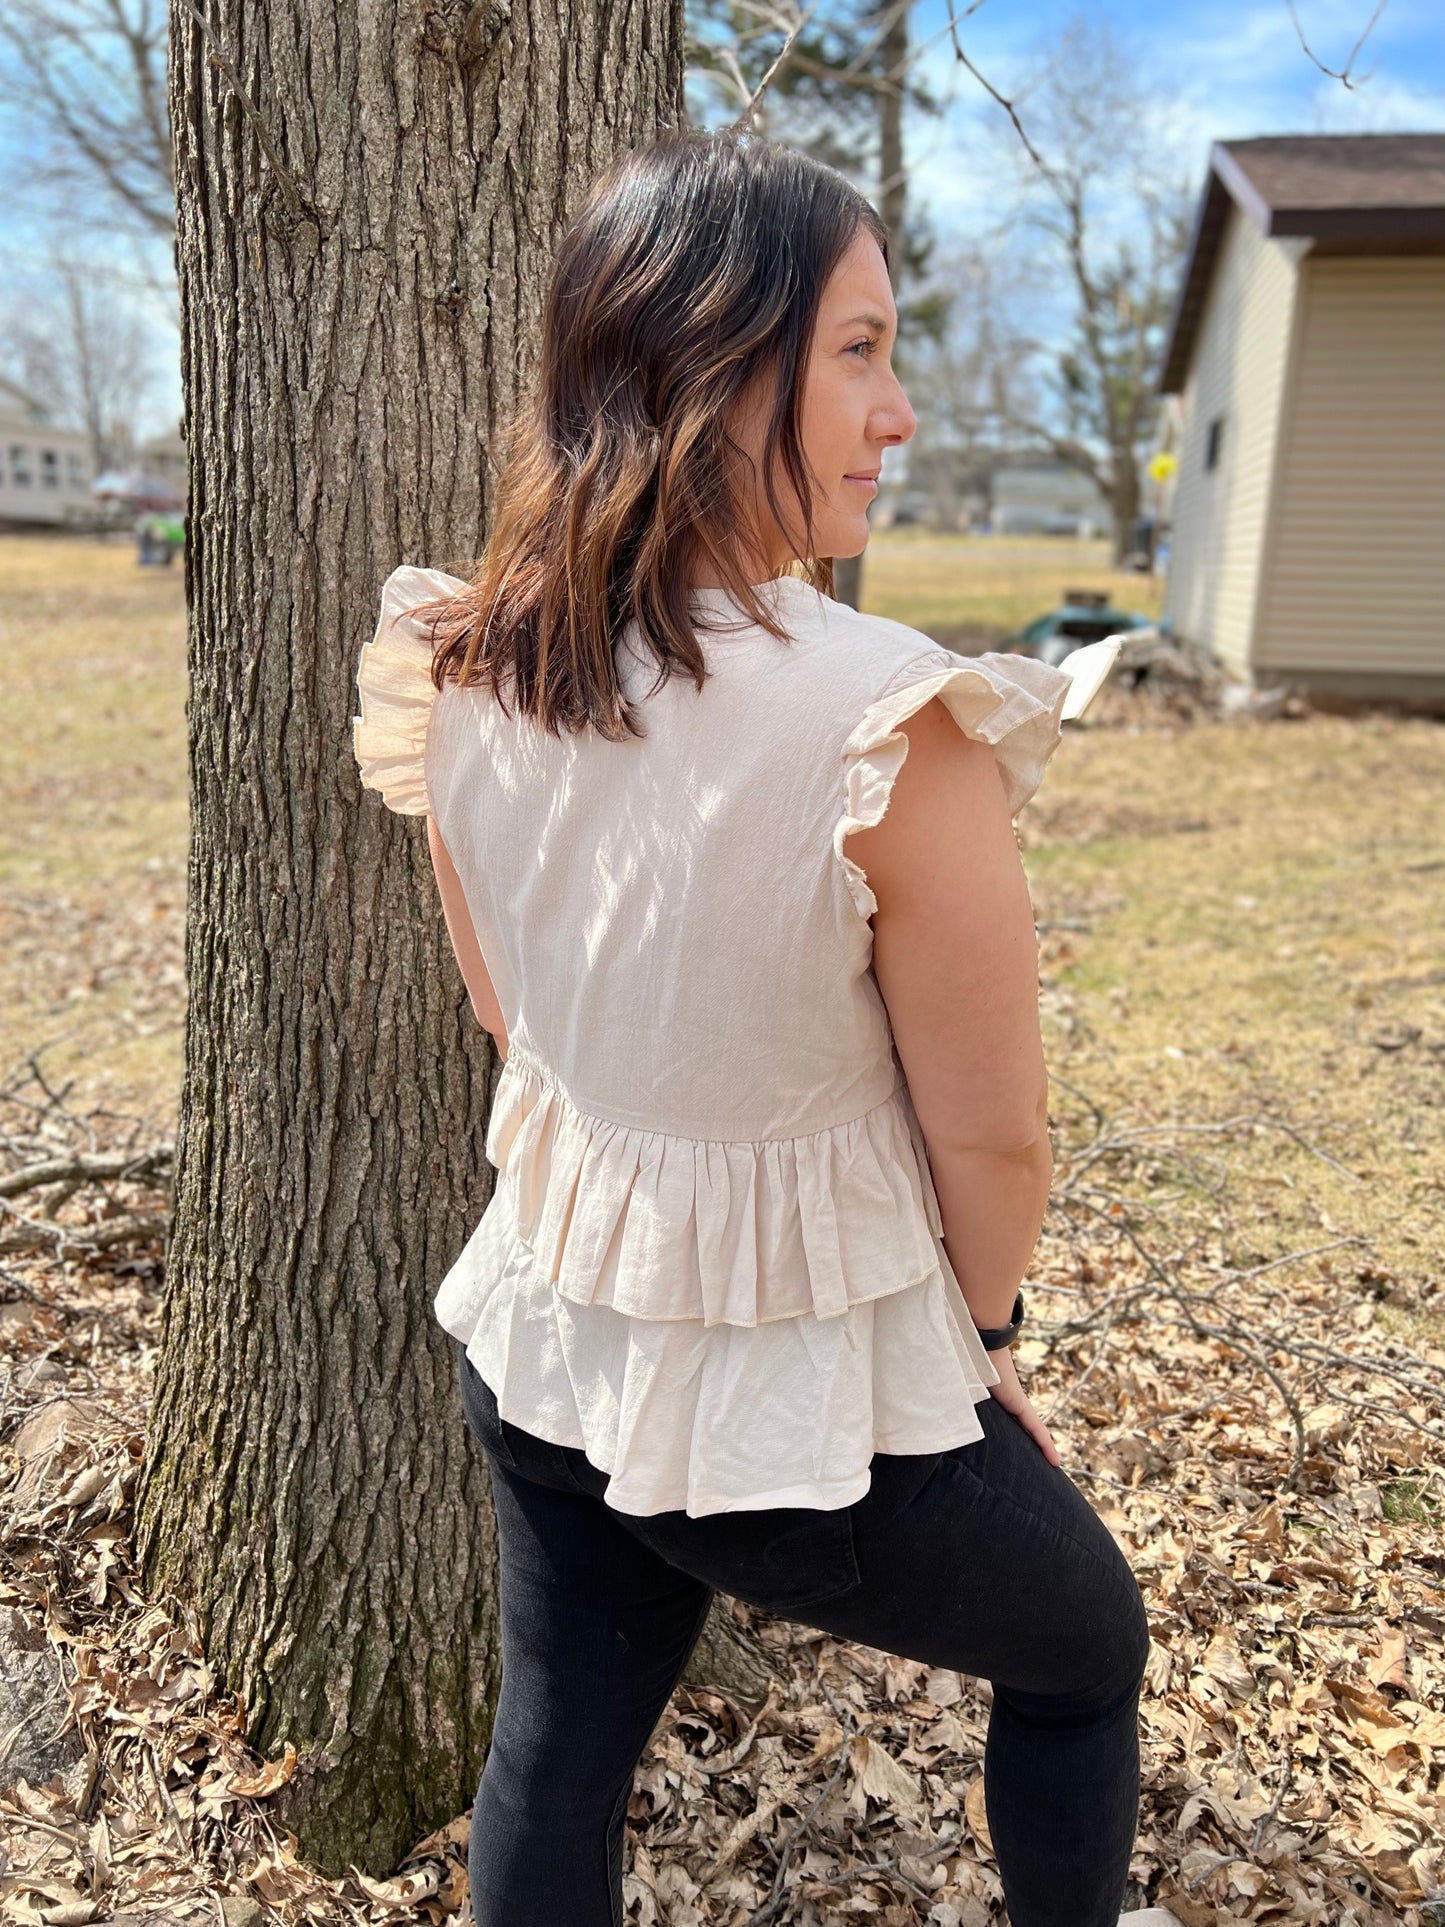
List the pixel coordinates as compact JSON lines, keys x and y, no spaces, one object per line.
{"x":713,"y":1257}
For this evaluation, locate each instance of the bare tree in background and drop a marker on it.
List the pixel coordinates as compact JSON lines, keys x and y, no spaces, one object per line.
{"x":957,"y":374}
{"x":833,"y":80}
{"x":1116,"y":220}
{"x":88,"y":355}
{"x":86,"y":81}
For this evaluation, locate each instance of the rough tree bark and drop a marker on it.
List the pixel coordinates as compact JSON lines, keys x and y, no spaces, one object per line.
{"x":368,"y":201}
{"x":1124,"y":497}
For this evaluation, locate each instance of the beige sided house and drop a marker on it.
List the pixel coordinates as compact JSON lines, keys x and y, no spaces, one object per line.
{"x":1307,"y":348}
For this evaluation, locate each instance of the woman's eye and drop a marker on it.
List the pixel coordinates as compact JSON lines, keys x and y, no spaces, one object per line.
{"x":866,"y":346}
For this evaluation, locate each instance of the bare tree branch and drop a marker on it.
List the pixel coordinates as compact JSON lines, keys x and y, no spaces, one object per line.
{"x":89,"y":80}
{"x":71,"y":335}
{"x":988,"y":86}
{"x":1344,"y":74}
{"x":284,"y":179}
{"x":1090,"y":144}
{"x":746,"y":116}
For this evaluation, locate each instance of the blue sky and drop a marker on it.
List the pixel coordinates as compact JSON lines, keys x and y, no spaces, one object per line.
{"x":1222,"y":69}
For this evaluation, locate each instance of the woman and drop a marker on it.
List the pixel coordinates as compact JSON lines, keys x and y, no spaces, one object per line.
{"x":731,"y":877}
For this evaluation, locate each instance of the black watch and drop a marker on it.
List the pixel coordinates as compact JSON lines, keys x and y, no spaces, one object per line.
{"x":997,"y":1337}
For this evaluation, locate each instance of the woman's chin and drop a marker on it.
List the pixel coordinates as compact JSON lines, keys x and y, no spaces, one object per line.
{"x":850,"y":537}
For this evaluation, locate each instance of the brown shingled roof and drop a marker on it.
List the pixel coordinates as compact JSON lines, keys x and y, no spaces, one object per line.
{"x":1349,"y":193}
{"x":1312,"y":173}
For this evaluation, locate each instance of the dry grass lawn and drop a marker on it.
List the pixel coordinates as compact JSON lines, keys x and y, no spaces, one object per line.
{"x":1236,"y":1308}
{"x":93,"y":788}
{"x":1263,"y":900}
{"x":970,"y":591}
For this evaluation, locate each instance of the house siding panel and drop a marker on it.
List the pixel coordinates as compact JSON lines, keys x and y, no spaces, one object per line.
{"x":1355,"y":580}
{"x":1238,"y":373}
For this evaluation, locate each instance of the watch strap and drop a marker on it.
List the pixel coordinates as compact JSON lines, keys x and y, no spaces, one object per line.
{"x":995,"y":1338}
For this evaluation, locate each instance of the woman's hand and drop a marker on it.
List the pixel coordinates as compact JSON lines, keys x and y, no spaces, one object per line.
{"x":1011,"y":1396}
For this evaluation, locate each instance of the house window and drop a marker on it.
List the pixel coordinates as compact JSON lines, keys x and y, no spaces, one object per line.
{"x":75,"y":471}
{"x":19,"y":465}
{"x":50,"y":468}
{"x":1212,"y":440}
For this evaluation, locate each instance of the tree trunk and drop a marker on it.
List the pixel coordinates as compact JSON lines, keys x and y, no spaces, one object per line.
{"x":892,"y":179}
{"x":360,"y":280}
{"x":730,"y":1660}
{"x":892,"y":205}
{"x":1124,"y":502}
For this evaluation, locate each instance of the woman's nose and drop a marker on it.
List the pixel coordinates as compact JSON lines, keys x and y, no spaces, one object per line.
{"x":908,"y":411}
{"x":898,"y":421}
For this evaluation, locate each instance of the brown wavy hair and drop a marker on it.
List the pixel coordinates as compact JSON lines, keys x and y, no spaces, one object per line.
{"x":693,"y":271}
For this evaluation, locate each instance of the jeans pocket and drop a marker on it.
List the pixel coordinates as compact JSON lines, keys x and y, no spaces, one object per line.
{"x":479,"y":1408}
{"x":895,"y":1481}
{"x":973,"y":1454}
{"x":782,"y":1558}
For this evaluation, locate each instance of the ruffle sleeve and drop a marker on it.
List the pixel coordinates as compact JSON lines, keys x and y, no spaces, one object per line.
{"x":394,"y":680}
{"x":1016,"y":703}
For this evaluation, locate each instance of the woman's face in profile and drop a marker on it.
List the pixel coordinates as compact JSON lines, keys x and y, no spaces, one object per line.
{"x":852,"y":409}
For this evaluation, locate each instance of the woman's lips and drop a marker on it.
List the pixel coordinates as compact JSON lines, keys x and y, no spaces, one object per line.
{"x":863,"y":481}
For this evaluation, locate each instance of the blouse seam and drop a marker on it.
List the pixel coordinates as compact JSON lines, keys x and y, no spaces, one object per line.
{"x":901,"y":679}
{"x":431,"y":716}
{"x":844,"y":867}
{"x":544,"y":1078}
{"x":732,"y":1324}
{"x":942,"y":662}
{"x":930,"y":664}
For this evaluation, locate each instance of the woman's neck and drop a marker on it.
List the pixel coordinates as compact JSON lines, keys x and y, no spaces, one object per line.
{"x":754,"y":569}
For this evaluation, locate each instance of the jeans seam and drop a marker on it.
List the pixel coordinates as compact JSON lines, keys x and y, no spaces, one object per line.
{"x":499,"y":1447}
{"x":564,"y":1455}
{"x":1059,"y":1532}
{"x":850,"y":1560}
{"x":617,"y":1905}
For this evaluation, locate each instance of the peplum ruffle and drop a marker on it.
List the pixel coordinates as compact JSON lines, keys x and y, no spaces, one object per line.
{"x":719,"y":1325}
{"x":703,"y":1419}
{"x":722,"y":1232}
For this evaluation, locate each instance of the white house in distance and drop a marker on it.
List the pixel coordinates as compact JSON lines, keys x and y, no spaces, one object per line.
{"x":45,"y":472}
{"x":1037,"y":495}
{"x":1307,"y":350}
{"x":1009,"y":491}
{"x":164,"y":456}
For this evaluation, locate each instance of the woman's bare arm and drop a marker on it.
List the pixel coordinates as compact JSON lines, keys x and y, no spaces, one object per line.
{"x":956,"y":959}
{"x":464,"y":939}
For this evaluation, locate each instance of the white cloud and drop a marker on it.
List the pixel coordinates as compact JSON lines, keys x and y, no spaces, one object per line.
{"x":1385,"y":105}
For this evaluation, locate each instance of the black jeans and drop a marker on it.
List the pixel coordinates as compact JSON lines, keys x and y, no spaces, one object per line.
{"x":984,"y":1558}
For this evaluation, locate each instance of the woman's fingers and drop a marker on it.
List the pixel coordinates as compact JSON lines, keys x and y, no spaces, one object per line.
{"x":1041,"y":1432}
{"x":1011,"y":1395}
